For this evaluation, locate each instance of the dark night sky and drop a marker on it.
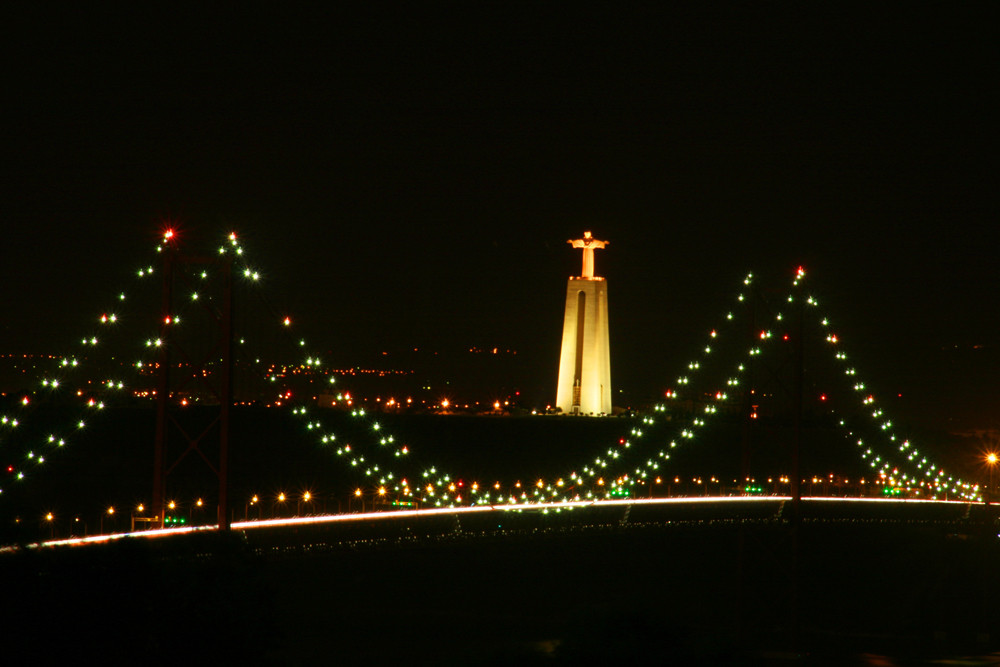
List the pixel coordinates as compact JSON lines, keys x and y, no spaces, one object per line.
{"x":412,"y":178}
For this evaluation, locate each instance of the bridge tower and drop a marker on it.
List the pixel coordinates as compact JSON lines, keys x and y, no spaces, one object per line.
{"x":585,"y":361}
{"x":202,"y":365}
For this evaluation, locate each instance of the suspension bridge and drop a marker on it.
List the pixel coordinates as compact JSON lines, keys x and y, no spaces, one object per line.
{"x":189,"y":351}
{"x":168,"y":361}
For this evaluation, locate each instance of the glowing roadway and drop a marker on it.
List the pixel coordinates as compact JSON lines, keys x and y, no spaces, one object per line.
{"x":475,"y":509}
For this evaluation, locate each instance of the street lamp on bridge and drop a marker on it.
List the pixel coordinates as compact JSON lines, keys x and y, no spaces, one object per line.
{"x":306,"y":497}
{"x":110,"y":513}
{"x":254,"y":502}
{"x":359,"y":495}
{"x":991,"y":461}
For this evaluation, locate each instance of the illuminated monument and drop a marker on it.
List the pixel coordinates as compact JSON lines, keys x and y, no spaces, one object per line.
{"x":585,"y":363}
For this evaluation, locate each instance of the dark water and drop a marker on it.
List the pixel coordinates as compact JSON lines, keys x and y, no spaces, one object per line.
{"x":576,"y":588}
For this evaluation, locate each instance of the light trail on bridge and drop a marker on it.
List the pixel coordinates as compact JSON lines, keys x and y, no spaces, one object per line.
{"x":479,"y":509}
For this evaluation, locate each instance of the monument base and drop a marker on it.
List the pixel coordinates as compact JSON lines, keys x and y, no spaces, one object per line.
{"x":585,"y":362}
